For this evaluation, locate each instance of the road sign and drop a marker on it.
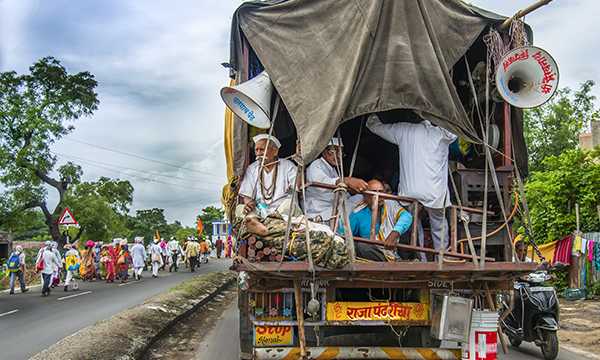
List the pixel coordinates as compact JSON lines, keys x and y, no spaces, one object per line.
{"x":67,"y":218}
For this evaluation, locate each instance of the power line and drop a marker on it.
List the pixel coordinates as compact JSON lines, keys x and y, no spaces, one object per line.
{"x":141,"y":177}
{"x":143,"y":158}
{"x":128,"y":168}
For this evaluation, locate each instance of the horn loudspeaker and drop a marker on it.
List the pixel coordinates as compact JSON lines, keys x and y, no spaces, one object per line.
{"x":251,"y":100}
{"x":527,"y":77}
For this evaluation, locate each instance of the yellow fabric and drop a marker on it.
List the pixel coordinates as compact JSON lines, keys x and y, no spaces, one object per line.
{"x":464,"y":146}
{"x":229,"y":137}
{"x":576,"y":243}
{"x":519,"y":237}
{"x":547,"y":251}
{"x":228,"y":195}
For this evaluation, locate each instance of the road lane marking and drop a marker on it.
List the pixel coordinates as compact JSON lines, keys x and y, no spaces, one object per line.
{"x":67,"y":297}
{"x":129,"y":283}
{"x":10,"y":312}
{"x":165,"y":275}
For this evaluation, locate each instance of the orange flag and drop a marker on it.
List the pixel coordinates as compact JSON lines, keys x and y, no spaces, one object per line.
{"x":157,"y":236}
{"x":199,"y":227}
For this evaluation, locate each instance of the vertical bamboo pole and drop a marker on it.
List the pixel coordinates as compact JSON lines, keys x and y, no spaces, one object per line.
{"x":577,"y":216}
{"x":415,"y":215}
{"x":374,"y":215}
{"x":300,"y":317}
{"x":493,"y":307}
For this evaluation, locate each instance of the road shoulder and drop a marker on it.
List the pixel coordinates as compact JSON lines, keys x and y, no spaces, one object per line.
{"x":130,"y":333}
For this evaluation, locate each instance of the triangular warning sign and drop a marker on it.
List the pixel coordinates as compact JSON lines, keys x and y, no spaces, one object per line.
{"x":67,"y":218}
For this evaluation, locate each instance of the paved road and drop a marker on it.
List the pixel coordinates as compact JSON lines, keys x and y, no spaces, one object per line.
{"x":30,"y":323}
{"x":528,"y":351}
{"x":227,"y":328}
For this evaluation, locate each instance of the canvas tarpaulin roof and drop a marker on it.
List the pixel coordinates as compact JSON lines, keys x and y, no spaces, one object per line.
{"x":332,"y":61}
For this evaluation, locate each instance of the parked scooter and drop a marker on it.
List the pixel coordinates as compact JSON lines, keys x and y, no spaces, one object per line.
{"x":535,"y":314}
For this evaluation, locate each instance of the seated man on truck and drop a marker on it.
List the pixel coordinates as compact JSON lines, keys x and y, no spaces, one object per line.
{"x":276,"y":180}
{"x":392,"y":221}
{"x":319,"y":202}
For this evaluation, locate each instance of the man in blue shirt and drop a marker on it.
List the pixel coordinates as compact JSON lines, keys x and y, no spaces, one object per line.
{"x":392,"y":221}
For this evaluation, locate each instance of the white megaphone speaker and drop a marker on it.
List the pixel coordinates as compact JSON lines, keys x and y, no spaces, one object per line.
{"x":527,"y":77}
{"x":251,"y":100}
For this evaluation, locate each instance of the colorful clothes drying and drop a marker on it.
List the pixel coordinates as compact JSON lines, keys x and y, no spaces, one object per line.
{"x":547,"y":251}
{"x":563,"y":250}
{"x":597,"y":255}
{"x":576,"y":243}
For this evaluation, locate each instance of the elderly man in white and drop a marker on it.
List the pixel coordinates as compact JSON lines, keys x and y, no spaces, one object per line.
{"x":276,"y":180}
{"x":423,"y":167}
{"x":319,"y":202}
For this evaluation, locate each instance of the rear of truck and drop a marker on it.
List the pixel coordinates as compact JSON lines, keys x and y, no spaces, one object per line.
{"x":371,"y":310}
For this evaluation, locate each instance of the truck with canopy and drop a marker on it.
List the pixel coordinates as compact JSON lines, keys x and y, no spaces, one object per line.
{"x":332,"y":64}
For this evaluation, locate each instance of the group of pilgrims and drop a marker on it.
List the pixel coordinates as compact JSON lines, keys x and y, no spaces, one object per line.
{"x":269,"y":189}
{"x":110,"y":262}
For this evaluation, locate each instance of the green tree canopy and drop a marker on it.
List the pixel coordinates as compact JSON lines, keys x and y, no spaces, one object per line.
{"x":554,"y":127}
{"x":145,"y":223}
{"x":100,"y":208}
{"x":209,"y":214}
{"x":34,"y":111}
{"x":572,"y":178}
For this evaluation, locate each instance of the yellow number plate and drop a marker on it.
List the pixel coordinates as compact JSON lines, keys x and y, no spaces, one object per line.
{"x":371,"y":311}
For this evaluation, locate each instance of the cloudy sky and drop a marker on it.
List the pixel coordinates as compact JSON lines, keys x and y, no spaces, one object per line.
{"x":160,"y":120}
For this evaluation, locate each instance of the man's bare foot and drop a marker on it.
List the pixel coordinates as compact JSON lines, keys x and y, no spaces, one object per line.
{"x":254,"y":226}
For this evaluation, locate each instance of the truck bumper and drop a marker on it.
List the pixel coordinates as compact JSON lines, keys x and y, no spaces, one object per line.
{"x":326,"y":353}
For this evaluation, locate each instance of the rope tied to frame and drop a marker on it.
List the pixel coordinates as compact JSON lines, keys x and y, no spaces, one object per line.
{"x":518,"y":36}
{"x":343,"y":189}
{"x":463,"y":216}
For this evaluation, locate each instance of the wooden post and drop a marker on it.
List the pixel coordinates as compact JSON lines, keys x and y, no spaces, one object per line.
{"x":334,"y":211}
{"x":577,"y":216}
{"x":598,"y":207}
{"x":374,"y":215}
{"x":453,"y":229}
{"x":300,"y":317}
{"x":415,"y":215}
{"x":493,"y":307}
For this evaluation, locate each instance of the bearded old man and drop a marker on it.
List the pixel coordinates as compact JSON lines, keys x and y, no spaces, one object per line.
{"x":273,"y":184}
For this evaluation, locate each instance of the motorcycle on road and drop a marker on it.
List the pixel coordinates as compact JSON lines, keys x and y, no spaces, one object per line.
{"x":535,"y":314}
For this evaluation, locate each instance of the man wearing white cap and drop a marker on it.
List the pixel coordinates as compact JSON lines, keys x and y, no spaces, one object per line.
{"x":276,"y":181}
{"x":423,"y":167}
{"x":319,"y":202}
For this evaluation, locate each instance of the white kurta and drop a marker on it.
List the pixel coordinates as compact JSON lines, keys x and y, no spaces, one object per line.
{"x":138,"y":255}
{"x":285,"y":185}
{"x":320,"y":201}
{"x":423,"y":159}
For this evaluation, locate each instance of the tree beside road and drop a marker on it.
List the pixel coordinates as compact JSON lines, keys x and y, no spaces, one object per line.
{"x":34,"y":113}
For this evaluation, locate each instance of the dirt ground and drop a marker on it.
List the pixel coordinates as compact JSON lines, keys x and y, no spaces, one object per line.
{"x":580,"y":323}
{"x":183,"y":340}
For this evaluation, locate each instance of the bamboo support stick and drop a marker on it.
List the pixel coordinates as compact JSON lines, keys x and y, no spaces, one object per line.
{"x":374,"y":215}
{"x":300,"y":317}
{"x":523,"y":12}
{"x":493,"y":306}
{"x":578,"y":219}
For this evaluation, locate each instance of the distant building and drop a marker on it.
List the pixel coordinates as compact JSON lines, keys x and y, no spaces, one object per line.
{"x":220,"y":228}
{"x":6,"y":244}
{"x":589,"y":140}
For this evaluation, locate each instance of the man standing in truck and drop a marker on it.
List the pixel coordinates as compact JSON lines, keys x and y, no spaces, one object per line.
{"x":392,"y":221}
{"x":270,"y":185}
{"x":319,"y":202}
{"x":423,"y":167}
